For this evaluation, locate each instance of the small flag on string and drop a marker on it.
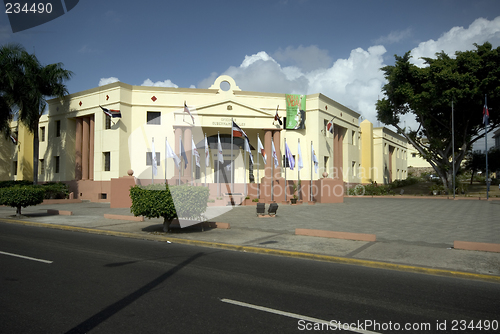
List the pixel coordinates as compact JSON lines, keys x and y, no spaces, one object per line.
{"x":277,"y":117}
{"x":186,"y":109}
{"x":220,"y":156}
{"x":261,"y":150}
{"x":111,"y":112}
{"x":195,"y":153}
{"x":275,"y":157}
{"x":171,"y":154}
{"x":289,"y":157}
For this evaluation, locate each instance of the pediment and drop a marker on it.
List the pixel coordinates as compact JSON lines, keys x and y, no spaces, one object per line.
{"x":231,"y":108}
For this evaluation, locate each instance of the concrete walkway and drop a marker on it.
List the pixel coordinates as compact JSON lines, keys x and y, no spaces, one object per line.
{"x":412,"y":232}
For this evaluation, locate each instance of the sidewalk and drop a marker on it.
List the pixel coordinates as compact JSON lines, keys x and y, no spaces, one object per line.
{"x":412,"y":232}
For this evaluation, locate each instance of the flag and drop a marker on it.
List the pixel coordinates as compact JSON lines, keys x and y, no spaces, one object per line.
{"x":329,"y":126}
{"x":153,"y":158}
{"x":183,"y":154}
{"x":171,"y":154}
{"x":277,"y":117}
{"x":14,"y":140}
{"x":238,"y":132}
{"x":207,"y":153}
{"x":315,"y":160}
{"x":111,"y":112}
{"x":289,"y":157}
{"x":195,"y":153}
{"x":275,"y":157}
{"x":300,"y":164}
{"x":247,"y":148}
{"x":486,"y":114}
{"x":186,"y":109}
{"x":261,"y":149}
{"x":220,"y":157}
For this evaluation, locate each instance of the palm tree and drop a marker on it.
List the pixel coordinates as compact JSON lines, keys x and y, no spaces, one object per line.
{"x":29,"y":86}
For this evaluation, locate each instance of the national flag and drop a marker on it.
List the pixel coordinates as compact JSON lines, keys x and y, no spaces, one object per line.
{"x":171,"y":154}
{"x":195,"y":153}
{"x":183,"y":155}
{"x":300,"y":164}
{"x":289,"y":157}
{"x":275,"y":157}
{"x":238,"y":132}
{"x":247,"y":148}
{"x":14,"y":140}
{"x":315,"y":160}
{"x":153,"y":158}
{"x":207,"y":153}
{"x":329,"y":126}
{"x":220,"y":157}
{"x":111,"y":112}
{"x":186,"y":109}
{"x":486,"y":114}
{"x":277,"y":117}
{"x":261,"y":149}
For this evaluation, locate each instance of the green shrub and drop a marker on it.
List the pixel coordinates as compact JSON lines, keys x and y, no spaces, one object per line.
{"x":370,"y":190}
{"x":404,"y":183}
{"x":6,"y":184}
{"x":21,"y":196}
{"x":156,"y":201}
{"x":56,"y":190}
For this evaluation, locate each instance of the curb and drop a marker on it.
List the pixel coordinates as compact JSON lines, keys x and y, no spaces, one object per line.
{"x":259,"y":250}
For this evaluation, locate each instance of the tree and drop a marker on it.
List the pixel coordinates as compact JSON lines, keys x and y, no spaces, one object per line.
{"x":428,"y":94}
{"x":21,"y":196}
{"x":26,"y":87}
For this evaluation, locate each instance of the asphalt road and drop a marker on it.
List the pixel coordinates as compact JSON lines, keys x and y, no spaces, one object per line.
{"x":74,"y":282}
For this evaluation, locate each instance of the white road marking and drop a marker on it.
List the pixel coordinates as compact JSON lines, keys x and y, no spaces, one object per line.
{"x":294,"y":315}
{"x":26,"y":257}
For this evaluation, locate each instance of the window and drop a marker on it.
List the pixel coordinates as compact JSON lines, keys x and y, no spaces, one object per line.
{"x":325,"y":123}
{"x":414,"y":155}
{"x":56,"y":163}
{"x":42,"y":133}
{"x":107,"y":122}
{"x":58,"y":128}
{"x":154,"y":117}
{"x":354,"y":168}
{"x":325,"y":160}
{"x":107,"y":161}
{"x":42,"y":166}
{"x":14,"y":165}
{"x":149,"y":156}
{"x":353,"y":137}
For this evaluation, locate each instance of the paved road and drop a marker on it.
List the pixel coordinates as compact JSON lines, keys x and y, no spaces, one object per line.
{"x":410,"y":231}
{"x":103,"y":284}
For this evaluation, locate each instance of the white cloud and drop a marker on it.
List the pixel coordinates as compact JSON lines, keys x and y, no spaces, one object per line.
{"x":166,"y":83}
{"x":394,"y":37}
{"x":307,"y":58}
{"x":459,"y":39}
{"x":105,"y":81}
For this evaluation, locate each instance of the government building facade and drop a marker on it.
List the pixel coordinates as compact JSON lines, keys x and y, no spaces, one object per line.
{"x":84,"y":146}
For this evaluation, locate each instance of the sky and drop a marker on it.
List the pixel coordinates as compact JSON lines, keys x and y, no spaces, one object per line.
{"x":332,"y":47}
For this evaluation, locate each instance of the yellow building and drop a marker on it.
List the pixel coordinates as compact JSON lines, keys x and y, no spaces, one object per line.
{"x":81,"y":145}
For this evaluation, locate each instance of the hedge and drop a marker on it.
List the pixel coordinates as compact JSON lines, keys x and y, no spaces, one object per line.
{"x":156,"y":201}
{"x":21,"y":196}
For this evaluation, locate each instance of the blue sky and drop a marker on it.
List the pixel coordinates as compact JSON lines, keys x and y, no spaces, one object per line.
{"x":283,"y":46}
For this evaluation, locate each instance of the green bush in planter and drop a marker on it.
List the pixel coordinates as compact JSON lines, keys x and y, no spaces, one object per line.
{"x":6,"y":184}
{"x":21,"y":196}
{"x":56,"y":190}
{"x":156,"y":201}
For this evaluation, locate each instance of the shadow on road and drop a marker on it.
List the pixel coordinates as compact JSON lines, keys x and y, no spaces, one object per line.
{"x":112,"y":309}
